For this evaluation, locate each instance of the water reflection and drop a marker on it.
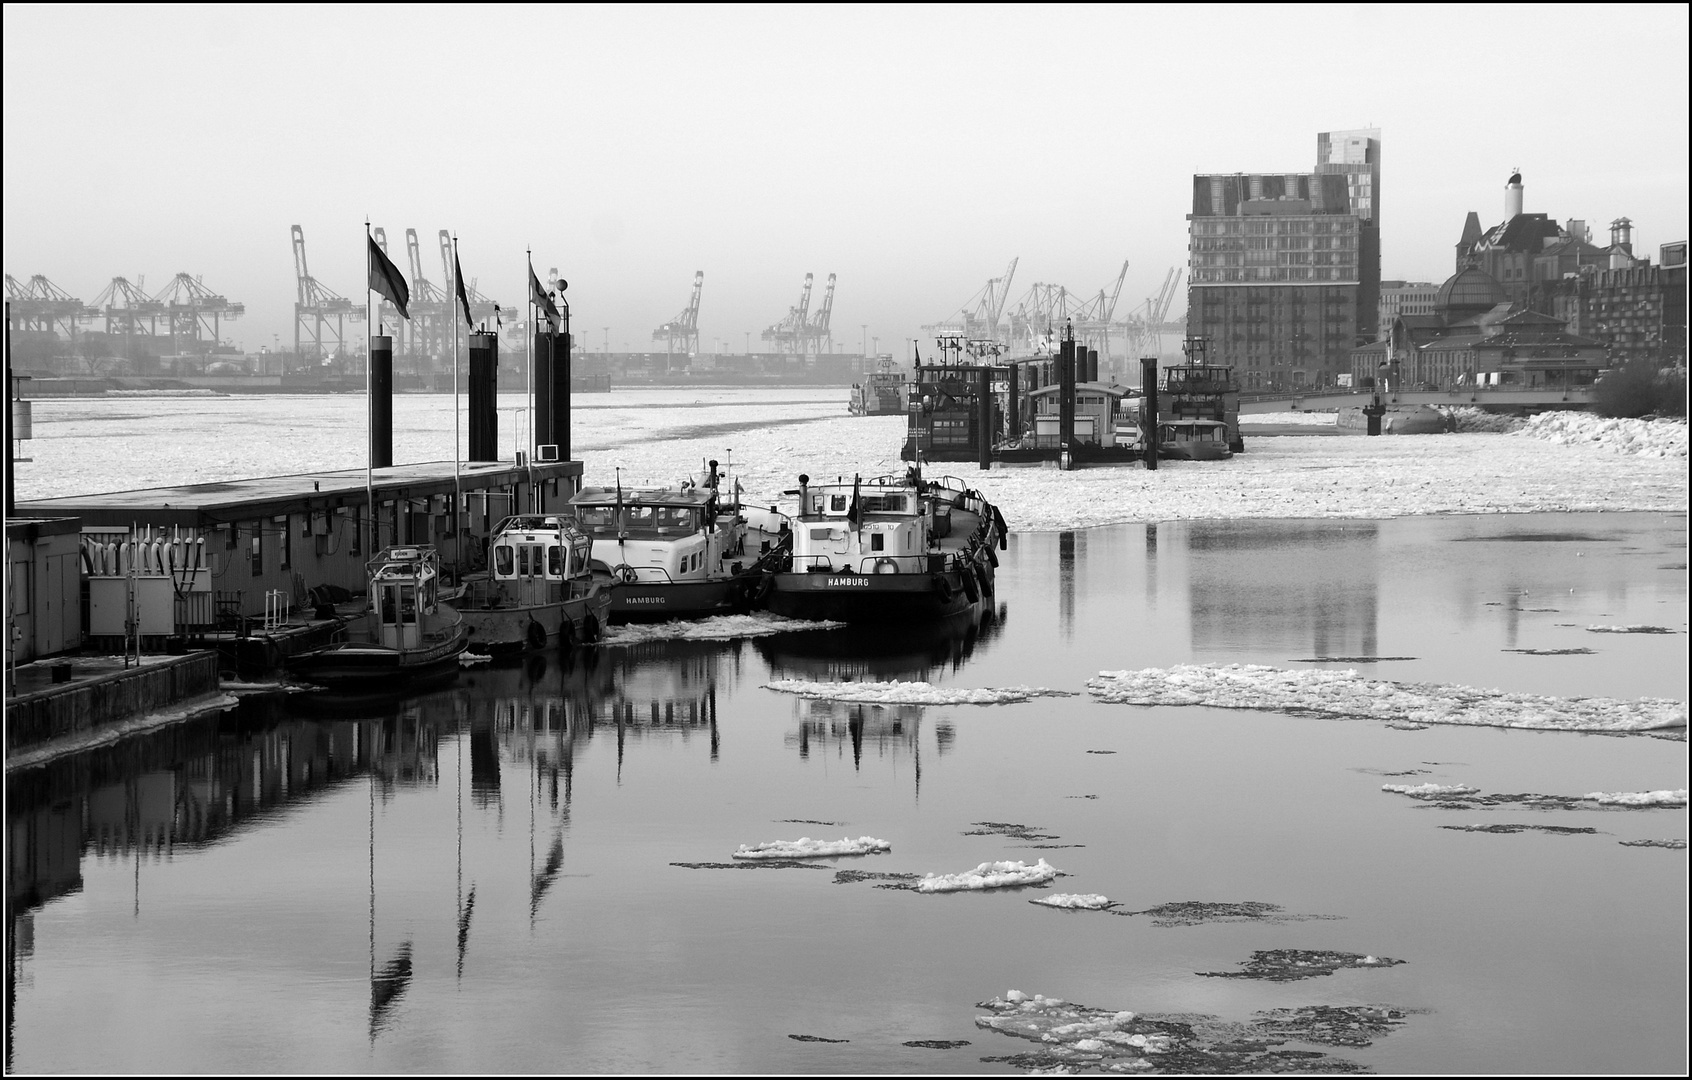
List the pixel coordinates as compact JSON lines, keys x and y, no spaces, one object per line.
{"x":908,"y":653}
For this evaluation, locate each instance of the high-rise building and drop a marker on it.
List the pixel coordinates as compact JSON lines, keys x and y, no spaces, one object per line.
{"x":1284,"y":268}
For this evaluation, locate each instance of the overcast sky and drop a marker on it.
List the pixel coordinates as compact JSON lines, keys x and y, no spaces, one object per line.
{"x":912,"y":151}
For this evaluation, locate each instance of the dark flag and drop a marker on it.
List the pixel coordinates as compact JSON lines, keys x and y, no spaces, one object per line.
{"x":385,"y":278}
{"x":855,"y":512}
{"x":498,"y":322}
{"x":463,"y":298}
{"x":543,"y":303}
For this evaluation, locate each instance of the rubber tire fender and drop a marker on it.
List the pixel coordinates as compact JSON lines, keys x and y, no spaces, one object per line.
{"x":537,"y":636}
{"x":566,"y":635}
{"x":590,"y":630}
{"x":943,"y":588}
{"x":972,"y":591}
{"x":1004,"y":533}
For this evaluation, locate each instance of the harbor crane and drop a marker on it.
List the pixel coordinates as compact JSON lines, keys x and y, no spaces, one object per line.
{"x":128,"y":312}
{"x":681,"y":334}
{"x":320,"y":313}
{"x":42,"y":307}
{"x":1144,"y":327}
{"x":979,"y":318}
{"x":816,"y":331}
{"x":789,"y":334}
{"x":1092,"y":318}
{"x":194,"y":314}
{"x":430,"y":335}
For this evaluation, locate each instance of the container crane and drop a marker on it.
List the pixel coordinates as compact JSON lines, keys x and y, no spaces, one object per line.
{"x":816,"y":330}
{"x":195,"y":314}
{"x":320,"y":313}
{"x":481,"y":308}
{"x":430,"y":307}
{"x":789,"y":334}
{"x":978,"y":319}
{"x":128,"y":312}
{"x":42,"y":307}
{"x":681,"y":334}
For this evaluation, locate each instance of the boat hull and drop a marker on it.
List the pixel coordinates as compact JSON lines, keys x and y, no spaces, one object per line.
{"x":875,"y":598}
{"x":520,"y":628}
{"x":358,"y":665}
{"x":641,"y":601}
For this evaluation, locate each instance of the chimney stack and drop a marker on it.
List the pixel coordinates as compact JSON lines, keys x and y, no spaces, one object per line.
{"x":1513,"y":196}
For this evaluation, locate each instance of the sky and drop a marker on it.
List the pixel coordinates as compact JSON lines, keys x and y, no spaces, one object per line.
{"x":912,"y":151}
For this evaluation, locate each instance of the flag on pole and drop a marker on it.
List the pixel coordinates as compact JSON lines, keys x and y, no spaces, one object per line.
{"x":543,"y":303}
{"x":463,"y":297}
{"x":385,"y":278}
{"x":855,"y":512}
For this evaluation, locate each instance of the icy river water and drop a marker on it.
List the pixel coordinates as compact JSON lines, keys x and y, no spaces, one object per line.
{"x":533,"y":869}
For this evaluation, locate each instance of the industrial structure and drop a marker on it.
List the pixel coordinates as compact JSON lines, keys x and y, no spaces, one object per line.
{"x":681,"y":334}
{"x":42,"y":307}
{"x":802,"y":332}
{"x":320,"y":313}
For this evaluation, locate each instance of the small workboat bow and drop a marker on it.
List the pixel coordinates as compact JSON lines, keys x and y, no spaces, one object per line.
{"x":894,"y":549}
{"x":538,"y":591}
{"x":408,"y":633}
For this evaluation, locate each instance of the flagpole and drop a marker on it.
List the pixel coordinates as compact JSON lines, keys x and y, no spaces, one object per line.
{"x":529,"y":355}
{"x":369,"y":397}
{"x":457,"y":543}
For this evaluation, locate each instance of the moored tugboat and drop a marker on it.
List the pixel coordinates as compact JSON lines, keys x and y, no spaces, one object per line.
{"x":538,"y":592}
{"x":407,"y":636}
{"x":888,"y":550}
{"x":679,"y":552}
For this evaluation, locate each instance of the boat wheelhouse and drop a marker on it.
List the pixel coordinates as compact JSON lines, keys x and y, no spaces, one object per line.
{"x":1193,"y":440}
{"x":677,"y":552}
{"x":883,"y":392}
{"x":894,"y":549}
{"x":407,"y":634}
{"x":538,"y":591}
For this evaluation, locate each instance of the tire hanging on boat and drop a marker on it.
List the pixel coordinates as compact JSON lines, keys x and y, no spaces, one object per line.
{"x":566,"y":635}
{"x":972,"y":591}
{"x":537,"y":636}
{"x":590,"y":630}
{"x":942,"y":588}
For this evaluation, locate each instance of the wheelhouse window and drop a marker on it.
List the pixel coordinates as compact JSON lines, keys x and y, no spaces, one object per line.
{"x":554,"y":561}
{"x":680,"y":519}
{"x":502,"y":561}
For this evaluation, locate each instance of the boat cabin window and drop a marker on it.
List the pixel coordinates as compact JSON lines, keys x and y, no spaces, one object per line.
{"x":678,"y":518}
{"x":554,"y":561}
{"x":597,"y":519}
{"x":884,"y":504}
{"x":836,"y":503}
{"x":502,"y":561}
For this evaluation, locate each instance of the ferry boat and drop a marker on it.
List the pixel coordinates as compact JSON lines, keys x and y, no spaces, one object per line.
{"x":681,"y":552}
{"x":408,"y":634}
{"x":895,"y":549}
{"x":883,"y":392}
{"x":1193,"y":440}
{"x":538,"y":591}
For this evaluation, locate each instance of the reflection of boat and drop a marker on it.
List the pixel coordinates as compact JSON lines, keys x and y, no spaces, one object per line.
{"x":889,"y":550}
{"x":909,"y":652}
{"x":882,"y":392}
{"x":1193,"y":440}
{"x":677,"y":553}
{"x":407,"y":635}
{"x":538,"y":590}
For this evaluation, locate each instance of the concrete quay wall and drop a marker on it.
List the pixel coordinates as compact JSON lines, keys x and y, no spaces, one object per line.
{"x":101,"y":700}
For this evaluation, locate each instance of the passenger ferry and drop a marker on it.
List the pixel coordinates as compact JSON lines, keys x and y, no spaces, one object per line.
{"x":895,"y":549}
{"x":883,"y":392}
{"x":538,"y":591}
{"x":1193,"y":440}
{"x":679,"y":552}
{"x":407,"y":635}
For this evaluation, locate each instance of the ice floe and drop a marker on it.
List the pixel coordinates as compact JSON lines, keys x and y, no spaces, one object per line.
{"x":714,"y":628}
{"x":895,"y":692}
{"x":1290,"y":419}
{"x":990,"y":875}
{"x":1672,"y":845}
{"x":1288,"y":965}
{"x":1198,"y":912}
{"x":1431,"y":789}
{"x":1076,"y":901}
{"x":1638,"y":798}
{"x":1630,"y":628}
{"x":1635,"y":438}
{"x":806,"y":848}
{"x":1345,"y":694}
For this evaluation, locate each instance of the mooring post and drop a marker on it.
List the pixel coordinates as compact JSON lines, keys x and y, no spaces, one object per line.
{"x":381,"y":401}
{"x":1013,"y":415}
{"x":1148,"y":419}
{"x":984,"y":415}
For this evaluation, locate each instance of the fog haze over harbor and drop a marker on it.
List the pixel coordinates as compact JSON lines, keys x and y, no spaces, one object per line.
{"x":911,"y":152}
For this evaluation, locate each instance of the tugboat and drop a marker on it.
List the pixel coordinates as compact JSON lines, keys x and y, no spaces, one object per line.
{"x":408,"y":634}
{"x":539,"y":589}
{"x":679,"y":552}
{"x":894,"y":549}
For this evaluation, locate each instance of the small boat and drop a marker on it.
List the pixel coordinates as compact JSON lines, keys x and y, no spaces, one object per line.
{"x":883,"y":392}
{"x":680,"y":552}
{"x":408,"y":634}
{"x":538,"y":591}
{"x":894,"y":549}
{"x":1193,"y":440}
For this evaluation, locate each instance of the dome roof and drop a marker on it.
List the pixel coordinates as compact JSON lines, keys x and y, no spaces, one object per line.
{"x":1468,"y":292}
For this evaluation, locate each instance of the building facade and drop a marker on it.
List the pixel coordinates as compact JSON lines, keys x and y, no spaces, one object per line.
{"x":1402,"y":298}
{"x":1637,"y":312}
{"x":1284,"y":268}
{"x":1524,"y":251}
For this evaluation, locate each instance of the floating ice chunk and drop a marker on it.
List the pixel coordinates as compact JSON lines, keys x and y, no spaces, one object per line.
{"x":1634,"y":438}
{"x":1431,"y":789}
{"x":470,"y":659}
{"x":990,"y":875}
{"x":715,"y":628}
{"x":1629,"y":628}
{"x":806,"y":848}
{"x":912,"y":693}
{"x":1638,"y":798}
{"x":1075,"y":901}
{"x":1344,"y":693}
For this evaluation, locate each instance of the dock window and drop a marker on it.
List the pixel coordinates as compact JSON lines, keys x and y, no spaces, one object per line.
{"x":257,"y":552}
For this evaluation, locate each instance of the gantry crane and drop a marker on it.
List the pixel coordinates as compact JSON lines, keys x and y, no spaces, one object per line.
{"x":1092,"y":318}
{"x":1144,"y":327}
{"x":978,"y":319}
{"x":320,"y":313}
{"x":430,"y":334}
{"x":195,"y":314}
{"x":42,"y":307}
{"x":128,"y":312}
{"x":681,"y":334}
{"x":816,"y":330}
{"x":789,"y":334}
{"x":481,"y":308}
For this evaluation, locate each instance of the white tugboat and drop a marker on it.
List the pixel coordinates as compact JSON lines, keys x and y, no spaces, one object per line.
{"x":679,"y":552}
{"x":407,"y":635}
{"x":538,"y":592}
{"x":894,"y":549}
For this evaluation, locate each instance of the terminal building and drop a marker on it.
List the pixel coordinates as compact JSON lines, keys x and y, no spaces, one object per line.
{"x":1285,"y":268}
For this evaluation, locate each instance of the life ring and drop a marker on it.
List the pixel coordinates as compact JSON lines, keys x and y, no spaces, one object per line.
{"x":891,"y":564}
{"x":590,"y":630}
{"x":625,"y":573}
{"x":970,"y":588}
{"x":566,"y":635}
{"x":942,"y":588}
{"x":537,"y":636}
